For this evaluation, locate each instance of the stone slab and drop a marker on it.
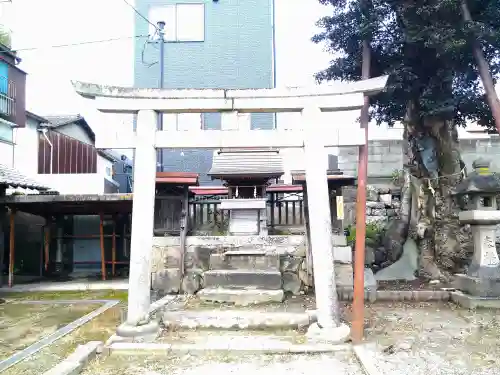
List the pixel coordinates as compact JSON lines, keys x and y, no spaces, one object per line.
{"x":76,"y":361}
{"x":413,"y":295}
{"x":342,"y":254}
{"x":339,"y":240}
{"x":243,"y":279}
{"x":405,"y":267}
{"x":234,"y":319}
{"x":474,"y":302}
{"x":241,"y":297}
{"x":167,"y":280}
{"x":344,"y":278}
{"x":234,"y":261}
{"x":479,"y":287}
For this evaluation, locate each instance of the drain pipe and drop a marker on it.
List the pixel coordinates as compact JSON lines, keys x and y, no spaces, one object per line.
{"x":44,"y":132}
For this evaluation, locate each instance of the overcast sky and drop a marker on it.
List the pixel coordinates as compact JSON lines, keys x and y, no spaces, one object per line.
{"x":42,"y":23}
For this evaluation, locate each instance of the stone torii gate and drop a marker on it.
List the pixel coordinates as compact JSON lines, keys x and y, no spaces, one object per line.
{"x":234,"y":106}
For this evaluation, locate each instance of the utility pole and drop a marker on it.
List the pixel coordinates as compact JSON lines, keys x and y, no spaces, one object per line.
{"x":161,"y":82}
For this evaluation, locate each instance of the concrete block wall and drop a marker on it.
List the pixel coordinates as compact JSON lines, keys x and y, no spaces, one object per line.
{"x":386,"y":156}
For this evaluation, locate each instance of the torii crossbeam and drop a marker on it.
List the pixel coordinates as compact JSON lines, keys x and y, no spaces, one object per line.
{"x":235,"y":132}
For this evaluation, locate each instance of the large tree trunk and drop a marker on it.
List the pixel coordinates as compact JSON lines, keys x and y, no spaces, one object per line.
{"x":435,"y":167}
{"x":428,"y":214}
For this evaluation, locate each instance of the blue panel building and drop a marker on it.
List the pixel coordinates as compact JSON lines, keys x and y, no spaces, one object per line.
{"x":209,"y":44}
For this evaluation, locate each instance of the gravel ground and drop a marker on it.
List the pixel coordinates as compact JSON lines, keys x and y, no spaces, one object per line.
{"x":342,"y":363}
{"x":432,"y":338}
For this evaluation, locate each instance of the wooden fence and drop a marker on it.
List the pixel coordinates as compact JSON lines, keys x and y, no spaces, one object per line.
{"x":205,"y":214}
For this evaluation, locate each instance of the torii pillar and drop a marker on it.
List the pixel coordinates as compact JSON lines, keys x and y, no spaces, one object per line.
{"x":138,"y":324}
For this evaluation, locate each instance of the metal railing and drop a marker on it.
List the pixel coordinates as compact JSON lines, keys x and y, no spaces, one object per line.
{"x":7,"y":97}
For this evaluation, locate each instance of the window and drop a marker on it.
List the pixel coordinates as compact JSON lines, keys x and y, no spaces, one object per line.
{"x":182,"y":121}
{"x":108,"y":171}
{"x":183,"y":22}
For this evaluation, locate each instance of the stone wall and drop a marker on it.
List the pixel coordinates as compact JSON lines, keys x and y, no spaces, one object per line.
{"x":166,"y":272}
{"x":382,"y":204}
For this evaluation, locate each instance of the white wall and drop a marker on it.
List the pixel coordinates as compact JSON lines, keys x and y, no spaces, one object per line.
{"x":105,"y":168}
{"x":26,"y":148}
{"x":6,"y":154}
{"x":88,"y":183}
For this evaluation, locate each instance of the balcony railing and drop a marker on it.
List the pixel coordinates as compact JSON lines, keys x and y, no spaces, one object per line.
{"x":7,"y":97}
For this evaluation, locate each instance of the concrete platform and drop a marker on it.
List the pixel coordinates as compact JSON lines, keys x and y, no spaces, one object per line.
{"x":234,"y":319}
{"x":473,"y":302}
{"x":241,"y":297}
{"x":243,"y":279}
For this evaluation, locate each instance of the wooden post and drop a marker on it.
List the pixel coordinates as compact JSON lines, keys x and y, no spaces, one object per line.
{"x":272,"y":210}
{"x":46,"y":243}
{"x":103,"y":257}
{"x":11,"y":246}
{"x":308,"y":231}
{"x":113,"y":249}
{"x":184,"y":227}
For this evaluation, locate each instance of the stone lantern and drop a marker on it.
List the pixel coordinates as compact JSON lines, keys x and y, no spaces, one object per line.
{"x":480,"y":287}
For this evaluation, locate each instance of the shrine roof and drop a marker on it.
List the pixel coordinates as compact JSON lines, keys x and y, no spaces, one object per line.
{"x":259,"y":163}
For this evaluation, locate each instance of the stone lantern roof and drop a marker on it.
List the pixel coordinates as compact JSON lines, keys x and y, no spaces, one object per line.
{"x":480,"y":181}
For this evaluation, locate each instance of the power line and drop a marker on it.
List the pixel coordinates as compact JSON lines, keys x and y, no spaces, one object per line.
{"x":140,"y":14}
{"x":77,"y":44}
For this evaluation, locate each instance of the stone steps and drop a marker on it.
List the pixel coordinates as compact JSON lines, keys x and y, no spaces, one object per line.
{"x":234,"y":319}
{"x":247,"y":260}
{"x":243,"y":278}
{"x":241,"y":297}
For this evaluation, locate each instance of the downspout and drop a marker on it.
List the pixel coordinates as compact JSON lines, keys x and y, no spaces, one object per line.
{"x":273,"y":9}
{"x":44,"y":132}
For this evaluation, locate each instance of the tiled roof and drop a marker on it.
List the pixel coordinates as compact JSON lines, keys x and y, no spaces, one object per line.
{"x":247,"y":163}
{"x":55,"y":121}
{"x":13,"y":178}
